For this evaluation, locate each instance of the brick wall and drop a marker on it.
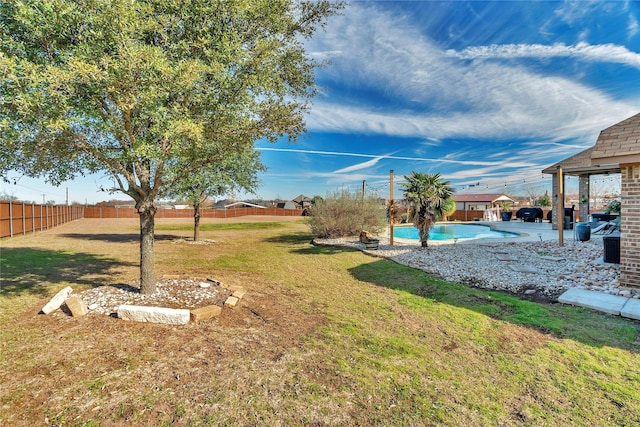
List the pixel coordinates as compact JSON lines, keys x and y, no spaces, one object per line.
{"x":630,"y":226}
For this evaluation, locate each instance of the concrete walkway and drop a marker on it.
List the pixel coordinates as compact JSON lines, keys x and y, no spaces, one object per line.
{"x":612,"y":304}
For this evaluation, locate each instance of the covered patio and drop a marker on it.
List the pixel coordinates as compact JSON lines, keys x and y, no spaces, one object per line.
{"x":580,"y":166}
{"x":617,"y":150}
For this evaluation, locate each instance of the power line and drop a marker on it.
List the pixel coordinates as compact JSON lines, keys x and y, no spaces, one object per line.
{"x":39,"y":191}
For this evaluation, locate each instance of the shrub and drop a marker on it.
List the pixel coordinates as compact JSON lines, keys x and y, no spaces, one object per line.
{"x":347,"y":214}
{"x":613,"y":207}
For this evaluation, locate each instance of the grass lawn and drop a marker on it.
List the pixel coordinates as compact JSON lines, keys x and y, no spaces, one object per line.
{"x":324,"y":336}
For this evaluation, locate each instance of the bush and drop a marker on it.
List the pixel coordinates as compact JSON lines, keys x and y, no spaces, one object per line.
{"x":346,"y":214}
{"x":613,"y":207}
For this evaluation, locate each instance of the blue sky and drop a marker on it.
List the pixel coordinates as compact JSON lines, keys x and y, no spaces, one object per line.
{"x":485,"y":93}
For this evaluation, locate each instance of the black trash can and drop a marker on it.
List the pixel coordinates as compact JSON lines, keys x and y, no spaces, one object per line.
{"x":568,"y":223}
{"x":612,"y":248}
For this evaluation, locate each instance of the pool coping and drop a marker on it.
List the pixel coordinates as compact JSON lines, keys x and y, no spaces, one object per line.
{"x":525,"y":232}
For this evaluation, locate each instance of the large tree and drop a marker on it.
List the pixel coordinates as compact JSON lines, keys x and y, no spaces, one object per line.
{"x":427,"y":196}
{"x":139,"y":89}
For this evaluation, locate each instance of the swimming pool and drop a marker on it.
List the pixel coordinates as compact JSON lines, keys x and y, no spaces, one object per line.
{"x":452,"y":231}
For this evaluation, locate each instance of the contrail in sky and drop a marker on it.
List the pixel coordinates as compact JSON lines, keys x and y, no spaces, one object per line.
{"x":374,"y":156}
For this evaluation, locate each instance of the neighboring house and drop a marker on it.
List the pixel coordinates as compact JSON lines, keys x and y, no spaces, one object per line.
{"x":302,"y":201}
{"x":479,"y":202}
{"x":287,"y":205}
{"x":243,"y":205}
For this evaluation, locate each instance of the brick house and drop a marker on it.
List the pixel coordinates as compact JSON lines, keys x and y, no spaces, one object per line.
{"x":617,"y":150}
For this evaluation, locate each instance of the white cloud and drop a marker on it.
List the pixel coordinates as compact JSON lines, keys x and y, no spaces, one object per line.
{"x":602,"y":53}
{"x":633,"y":27}
{"x":444,"y":95}
{"x":447,"y":159}
{"x":359,"y":166}
{"x":574,"y":11}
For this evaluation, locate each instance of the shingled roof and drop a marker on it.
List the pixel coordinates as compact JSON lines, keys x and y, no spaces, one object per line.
{"x":619,"y":143}
{"x":578,"y":161}
{"x":616,"y":145}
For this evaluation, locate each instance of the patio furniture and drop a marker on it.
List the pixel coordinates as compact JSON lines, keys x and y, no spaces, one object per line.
{"x":607,"y":227}
{"x":530,"y":214}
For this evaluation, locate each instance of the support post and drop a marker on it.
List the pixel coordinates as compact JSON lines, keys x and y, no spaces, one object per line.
{"x":10,"y":218}
{"x":560,"y":205}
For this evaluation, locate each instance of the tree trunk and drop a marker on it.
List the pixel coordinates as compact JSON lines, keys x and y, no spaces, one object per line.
{"x":147,"y":213}
{"x":196,"y":223}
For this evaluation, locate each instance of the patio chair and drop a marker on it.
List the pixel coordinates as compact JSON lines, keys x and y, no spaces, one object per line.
{"x":607,"y":227}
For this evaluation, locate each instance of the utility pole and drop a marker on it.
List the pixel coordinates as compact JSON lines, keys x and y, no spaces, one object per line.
{"x":391,"y":207}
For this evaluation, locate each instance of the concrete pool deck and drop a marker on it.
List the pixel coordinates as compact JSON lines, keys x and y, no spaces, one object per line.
{"x":532,"y":231}
{"x":527,"y":232}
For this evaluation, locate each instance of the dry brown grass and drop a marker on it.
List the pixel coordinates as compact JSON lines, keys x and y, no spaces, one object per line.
{"x":65,"y":369}
{"x":324,"y":336}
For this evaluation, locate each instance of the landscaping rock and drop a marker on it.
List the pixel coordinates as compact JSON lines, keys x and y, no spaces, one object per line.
{"x":76,"y":306}
{"x":239,"y":293}
{"x":231,"y":302}
{"x":170,"y":316}
{"x":234,"y":288}
{"x":57,"y":300}
{"x":207,"y":312}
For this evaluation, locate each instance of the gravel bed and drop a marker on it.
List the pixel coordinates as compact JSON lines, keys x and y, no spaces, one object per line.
{"x":171,"y":293}
{"x":529,"y":268}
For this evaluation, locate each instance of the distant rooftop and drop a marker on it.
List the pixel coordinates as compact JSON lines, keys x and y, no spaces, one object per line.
{"x":481,"y":197}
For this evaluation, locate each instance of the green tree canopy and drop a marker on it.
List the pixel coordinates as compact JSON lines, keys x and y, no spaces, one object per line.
{"x":138,"y":89}
{"x":229,"y":175}
{"x":427,"y":196}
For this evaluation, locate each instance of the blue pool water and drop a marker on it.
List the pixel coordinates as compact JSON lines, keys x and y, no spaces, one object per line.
{"x":452,"y":231}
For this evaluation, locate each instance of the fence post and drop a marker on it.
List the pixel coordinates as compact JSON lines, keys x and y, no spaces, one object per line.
{"x":10,"y":219}
{"x":24,"y":221}
{"x":33,"y":219}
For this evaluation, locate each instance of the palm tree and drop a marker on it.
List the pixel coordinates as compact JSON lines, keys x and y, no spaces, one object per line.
{"x":427,"y":195}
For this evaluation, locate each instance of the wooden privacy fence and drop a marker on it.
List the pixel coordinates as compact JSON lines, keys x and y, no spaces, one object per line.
{"x":130,"y":212}
{"x":22,"y":218}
